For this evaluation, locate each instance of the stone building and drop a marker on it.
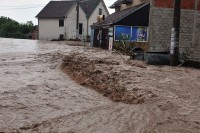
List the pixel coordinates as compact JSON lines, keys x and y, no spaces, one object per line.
{"x":160,"y":24}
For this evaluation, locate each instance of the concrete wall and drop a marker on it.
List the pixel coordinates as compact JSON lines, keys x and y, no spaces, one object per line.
{"x":161,"y":20}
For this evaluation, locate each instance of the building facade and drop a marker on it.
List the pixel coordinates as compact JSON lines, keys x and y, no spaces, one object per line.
{"x":58,"y":19}
{"x":160,"y":26}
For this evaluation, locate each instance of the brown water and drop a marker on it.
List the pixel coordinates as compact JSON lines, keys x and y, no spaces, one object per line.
{"x":36,"y":96}
{"x":17,"y":45}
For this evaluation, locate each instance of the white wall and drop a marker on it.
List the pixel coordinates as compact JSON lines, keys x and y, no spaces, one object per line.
{"x":93,"y":17}
{"x":49,"y":29}
{"x":71,"y":23}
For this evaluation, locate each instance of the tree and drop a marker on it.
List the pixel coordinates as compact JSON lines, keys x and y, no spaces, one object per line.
{"x":12,"y":29}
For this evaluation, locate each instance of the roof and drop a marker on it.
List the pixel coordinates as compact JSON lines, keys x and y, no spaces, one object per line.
{"x":59,"y":9}
{"x":116,"y":4}
{"x":119,"y":2}
{"x":127,"y":1}
{"x":89,"y":6}
{"x":56,"y":9}
{"x":117,"y":16}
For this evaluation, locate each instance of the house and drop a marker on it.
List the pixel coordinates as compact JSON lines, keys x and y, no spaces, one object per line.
{"x":156,"y":25}
{"x":57,"y":20}
{"x":134,"y":19}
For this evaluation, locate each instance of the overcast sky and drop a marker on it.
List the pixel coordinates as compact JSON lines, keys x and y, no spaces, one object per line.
{"x":26,"y":10}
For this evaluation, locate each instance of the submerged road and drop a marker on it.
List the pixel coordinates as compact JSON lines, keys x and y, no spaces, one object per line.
{"x":36,"y":96}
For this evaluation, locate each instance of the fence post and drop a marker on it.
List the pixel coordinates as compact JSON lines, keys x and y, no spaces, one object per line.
{"x":194,"y":23}
{"x":150,"y":36}
{"x":174,"y":48}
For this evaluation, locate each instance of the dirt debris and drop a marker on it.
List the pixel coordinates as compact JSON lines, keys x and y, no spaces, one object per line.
{"x":107,"y":76}
{"x":160,"y":88}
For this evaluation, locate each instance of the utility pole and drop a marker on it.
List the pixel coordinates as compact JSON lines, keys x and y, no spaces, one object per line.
{"x":174,"y":48}
{"x":77,"y":18}
{"x":87,"y":17}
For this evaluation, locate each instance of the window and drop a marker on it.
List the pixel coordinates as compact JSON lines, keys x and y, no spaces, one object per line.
{"x":61,"y":37}
{"x":80,"y":28}
{"x":100,"y":11}
{"x":61,"y":23}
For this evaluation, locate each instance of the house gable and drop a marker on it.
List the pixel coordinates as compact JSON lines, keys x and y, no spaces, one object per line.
{"x":70,"y":23}
{"x":138,"y":18}
{"x":95,"y":14}
{"x":128,"y":17}
{"x":90,"y":6}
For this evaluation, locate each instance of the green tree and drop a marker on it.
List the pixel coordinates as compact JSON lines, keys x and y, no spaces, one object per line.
{"x":12,"y":29}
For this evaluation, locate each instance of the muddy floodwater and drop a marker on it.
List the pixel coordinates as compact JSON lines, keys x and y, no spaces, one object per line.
{"x":36,"y":96}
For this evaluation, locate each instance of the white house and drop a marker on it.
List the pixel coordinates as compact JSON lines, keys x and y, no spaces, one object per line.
{"x":58,"y":18}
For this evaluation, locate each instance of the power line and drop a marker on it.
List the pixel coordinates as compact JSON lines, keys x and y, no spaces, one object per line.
{"x":23,"y":5}
{"x":20,"y":8}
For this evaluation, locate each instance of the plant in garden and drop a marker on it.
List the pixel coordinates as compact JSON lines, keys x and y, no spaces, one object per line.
{"x":124,"y":45}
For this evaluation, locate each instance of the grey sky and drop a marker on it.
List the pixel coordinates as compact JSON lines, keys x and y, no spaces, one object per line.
{"x":26,"y":10}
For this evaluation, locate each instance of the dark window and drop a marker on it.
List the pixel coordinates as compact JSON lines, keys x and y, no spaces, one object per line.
{"x":61,"y":37}
{"x":61,"y":22}
{"x":80,"y":28}
{"x":100,"y":11}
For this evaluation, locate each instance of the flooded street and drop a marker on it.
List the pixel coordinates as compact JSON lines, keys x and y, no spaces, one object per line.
{"x":37,"y":96}
{"x":34,"y":90}
{"x":17,"y":45}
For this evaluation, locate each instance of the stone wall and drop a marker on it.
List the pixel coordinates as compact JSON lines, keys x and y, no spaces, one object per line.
{"x":161,"y":20}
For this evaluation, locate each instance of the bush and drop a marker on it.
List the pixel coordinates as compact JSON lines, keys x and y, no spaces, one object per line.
{"x":11,"y":29}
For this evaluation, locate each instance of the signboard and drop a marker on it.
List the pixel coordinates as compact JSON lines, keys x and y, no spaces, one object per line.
{"x":139,"y":34}
{"x":122,"y":31}
{"x":133,"y":34}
